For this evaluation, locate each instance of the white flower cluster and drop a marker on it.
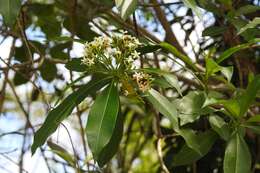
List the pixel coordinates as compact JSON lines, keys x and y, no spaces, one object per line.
{"x":143,"y":80}
{"x":115,"y":52}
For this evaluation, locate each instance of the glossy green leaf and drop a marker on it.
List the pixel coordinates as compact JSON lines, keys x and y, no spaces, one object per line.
{"x":164,"y":106}
{"x":148,"y":49}
{"x":190,"y":107}
{"x":192,"y":4}
{"x":102,"y":120}
{"x":119,"y":3}
{"x":246,"y":9}
{"x":127,"y":7}
{"x":227,"y":72}
{"x":60,"y":151}
{"x":213,"y":31}
{"x":254,"y":119}
{"x":186,"y":155}
{"x":226,"y":54}
{"x":58,"y":52}
{"x":10,"y":10}
{"x":48,"y":70}
{"x":251,"y":24}
{"x":191,"y":139}
{"x":220,"y":126}
{"x":179,"y":55}
{"x":21,"y":77}
{"x":170,"y":78}
{"x":63,"y":110}
{"x":237,"y":157}
{"x":231,"y":105}
{"x":82,"y":29}
{"x":111,"y":148}
{"x":75,"y":64}
{"x":212,"y":67}
{"x":173,"y":81}
{"x":249,"y":95}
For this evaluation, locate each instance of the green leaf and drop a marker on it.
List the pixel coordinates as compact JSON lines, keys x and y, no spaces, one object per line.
{"x":190,"y":107}
{"x":10,"y":10}
{"x":251,"y":24}
{"x":179,"y":55}
{"x":191,"y":139}
{"x":50,"y":26}
{"x":20,"y":79}
{"x":254,"y":119}
{"x":63,"y":110}
{"x":48,"y":70}
{"x":119,"y":3}
{"x":246,"y":10}
{"x":102,"y":120}
{"x":232,"y":106}
{"x":213,"y":31}
{"x":57,"y":51}
{"x":127,"y":8}
{"x":212,"y":67}
{"x":60,"y":151}
{"x":192,"y":4}
{"x":170,"y":78}
{"x":21,"y":54}
{"x":220,"y":126}
{"x":249,"y":95}
{"x":227,"y":3}
{"x":164,"y":106}
{"x":237,"y":156}
{"x":82,"y":29}
{"x":227,"y":72}
{"x":111,"y":148}
{"x":226,"y":54}
{"x":187,"y":155}
{"x":75,"y":64}
{"x":41,"y":9}
{"x":173,"y":81}
{"x":148,"y":49}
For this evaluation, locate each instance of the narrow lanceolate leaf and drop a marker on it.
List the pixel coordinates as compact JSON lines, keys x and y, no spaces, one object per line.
{"x":60,"y":151}
{"x":252,"y":24}
{"x":179,"y":55}
{"x":187,"y":155}
{"x":226,"y":54}
{"x":249,"y":96}
{"x":102,"y":120}
{"x":10,"y":10}
{"x":127,"y":7}
{"x":63,"y":110}
{"x":237,"y":156}
{"x":164,"y":106}
{"x":192,"y":4}
{"x":111,"y":148}
{"x":254,"y":119}
{"x":173,"y":81}
{"x":220,"y":126}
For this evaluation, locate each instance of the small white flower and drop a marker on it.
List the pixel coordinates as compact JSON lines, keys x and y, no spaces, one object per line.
{"x":88,"y":61}
{"x":126,"y":93}
{"x":135,"y":55}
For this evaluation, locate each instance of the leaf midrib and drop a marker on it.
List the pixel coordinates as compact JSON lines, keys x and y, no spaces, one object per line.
{"x":99,"y":129}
